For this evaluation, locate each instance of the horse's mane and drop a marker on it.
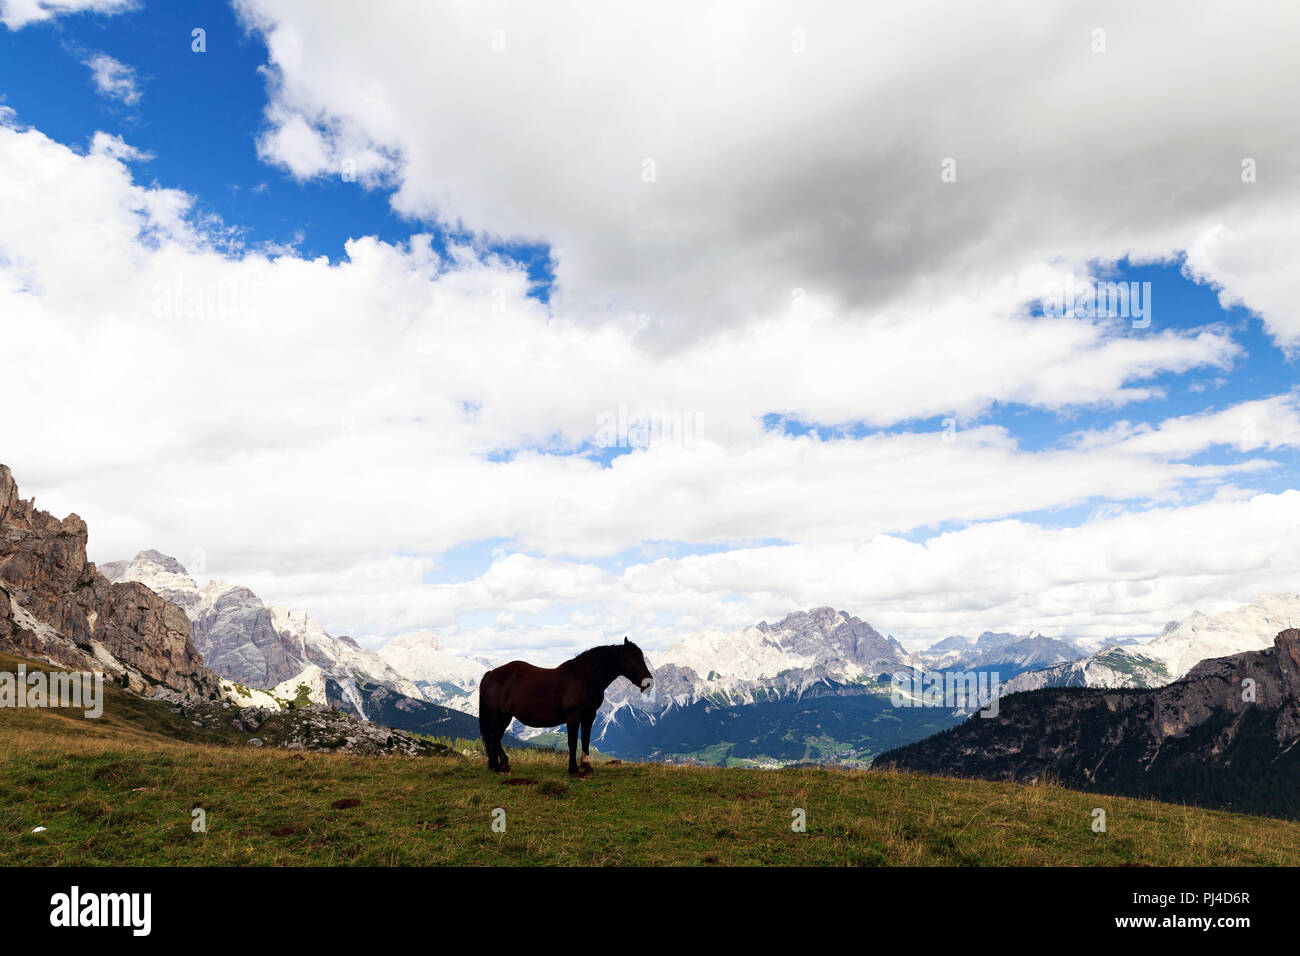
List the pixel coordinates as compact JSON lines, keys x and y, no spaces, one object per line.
{"x":593,"y":651}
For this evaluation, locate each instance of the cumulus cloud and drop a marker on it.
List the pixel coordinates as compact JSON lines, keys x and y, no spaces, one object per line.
{"x":1122,"y":576}
{"x":293,"y":423}
{"x":1266,"y":423}
{"x":114,"y":147}
{"x":114,"y":79}
{"x":16,"y":14}
{"x":1251,"y":262}
{"x":696,"y":163}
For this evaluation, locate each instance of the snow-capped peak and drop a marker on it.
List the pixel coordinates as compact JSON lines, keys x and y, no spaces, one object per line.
{"x":442,"y":677}
{"x":1199,"y":637}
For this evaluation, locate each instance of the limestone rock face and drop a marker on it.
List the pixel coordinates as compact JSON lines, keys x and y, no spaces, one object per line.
{"x":55,"y":606}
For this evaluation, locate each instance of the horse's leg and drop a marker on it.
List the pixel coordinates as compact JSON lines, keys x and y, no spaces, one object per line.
{"x":573,"y":746}
{"x":587,"y":721}
{"x":503,"y":760}
{"x":485,"y":727}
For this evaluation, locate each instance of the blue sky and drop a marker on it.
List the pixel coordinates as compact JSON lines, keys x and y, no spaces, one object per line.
{"x":621,"y":296}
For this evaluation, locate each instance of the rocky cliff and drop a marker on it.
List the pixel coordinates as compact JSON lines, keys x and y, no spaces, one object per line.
{"x":55,"y":606}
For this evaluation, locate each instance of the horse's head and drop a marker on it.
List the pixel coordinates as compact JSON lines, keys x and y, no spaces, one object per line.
{"x":633,"y":666}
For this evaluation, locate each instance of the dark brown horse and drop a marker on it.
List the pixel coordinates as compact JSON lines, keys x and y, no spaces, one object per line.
{"x":545,"y":696}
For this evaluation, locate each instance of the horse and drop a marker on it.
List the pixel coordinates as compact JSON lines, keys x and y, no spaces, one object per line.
{"x":545,"y":696}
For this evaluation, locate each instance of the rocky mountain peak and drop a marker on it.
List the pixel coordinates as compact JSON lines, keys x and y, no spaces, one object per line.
{"x":159,"y":560}
{"x":58,"y":607}
{"x":819,"y":617}
{"x":421,"y":640}
{"x":820,"y":647}
{"x":993,"y":639}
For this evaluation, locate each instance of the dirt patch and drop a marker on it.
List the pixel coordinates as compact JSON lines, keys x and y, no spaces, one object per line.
{"x":345,"y":803}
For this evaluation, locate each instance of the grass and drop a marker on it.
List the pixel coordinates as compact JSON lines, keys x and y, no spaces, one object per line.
{"x":121,"y":790}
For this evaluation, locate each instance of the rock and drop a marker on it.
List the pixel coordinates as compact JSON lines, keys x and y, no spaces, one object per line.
{"x":249,"y":718}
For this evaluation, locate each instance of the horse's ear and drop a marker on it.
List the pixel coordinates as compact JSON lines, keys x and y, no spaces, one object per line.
{"x":626,"y":641}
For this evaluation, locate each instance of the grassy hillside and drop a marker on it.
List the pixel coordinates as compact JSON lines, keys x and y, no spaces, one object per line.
{"x":120,"y":790}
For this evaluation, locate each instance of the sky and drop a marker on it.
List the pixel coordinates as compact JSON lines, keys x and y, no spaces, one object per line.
{"x":532,"y":326}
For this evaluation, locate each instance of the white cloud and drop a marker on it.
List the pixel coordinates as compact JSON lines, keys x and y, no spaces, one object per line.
{"x":267,"y":373}
{"x":114,"y":147}
{"x":1266,"y":423}
{"x":1122,"y":576}
{"x":1253,"y":264}
{"x":820,"y":170}
{"x":16,"y":14}
{"x":114,"y":79}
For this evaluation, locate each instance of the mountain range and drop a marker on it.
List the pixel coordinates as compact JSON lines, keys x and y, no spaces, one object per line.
{"x":1177,"y":649}
{"x":815,"y":686}
{"x":1007,"y":654}
{"x":1224,"y":735}
{"x":244,"y":640}
{"x":256,"y":646}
